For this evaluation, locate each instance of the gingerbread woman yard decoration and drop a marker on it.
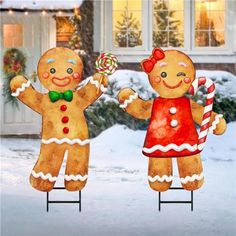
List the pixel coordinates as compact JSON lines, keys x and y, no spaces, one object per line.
{"x":64,"y":127}
{"x":171,"y":131}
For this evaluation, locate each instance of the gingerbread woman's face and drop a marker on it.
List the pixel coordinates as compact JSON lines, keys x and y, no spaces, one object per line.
{"x":172,"y":76}
{"x":60,"y":69}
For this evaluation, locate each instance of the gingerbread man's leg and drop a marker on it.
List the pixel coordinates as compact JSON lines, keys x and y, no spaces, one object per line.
{"x":160,"y":173}
{"x":190,"y":172}
{"x":76,"y":167}
{"x":46,"y":169}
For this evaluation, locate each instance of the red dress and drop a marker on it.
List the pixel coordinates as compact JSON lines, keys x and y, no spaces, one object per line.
{"x":171,"y":132}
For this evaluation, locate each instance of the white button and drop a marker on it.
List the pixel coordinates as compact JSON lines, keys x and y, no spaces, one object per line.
{"x":173,"y":110}
{"x":173,"y":123}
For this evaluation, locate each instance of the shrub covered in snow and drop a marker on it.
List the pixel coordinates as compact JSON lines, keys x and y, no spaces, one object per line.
{"x":106,"y":111}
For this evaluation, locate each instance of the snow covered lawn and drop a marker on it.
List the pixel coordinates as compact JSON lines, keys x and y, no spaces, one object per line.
{"x":117,"y":199}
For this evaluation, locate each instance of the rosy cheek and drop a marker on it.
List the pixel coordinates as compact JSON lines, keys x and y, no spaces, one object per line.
{"x":45,"y":75}
{"x":157,"y":79}
{"x":187,"y":80}
{"x":76,"y":75}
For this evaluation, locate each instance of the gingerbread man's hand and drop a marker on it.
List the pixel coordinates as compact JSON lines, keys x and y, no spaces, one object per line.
{"x":23,"y":90}
{"x":134,"y":105}
{"x":95,"y":86}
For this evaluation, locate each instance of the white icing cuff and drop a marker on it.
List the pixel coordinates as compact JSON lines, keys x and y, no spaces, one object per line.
{"x":160,"y":179}
{"x":66,"y":140}
{"x":215,"y":122}
{"x":21,"y":89}
{"x":191,"y":148}
{"x":97,"y":84}
{"x":191,"y":178}
{"x":41,"y":175}
{"x":76,"y":177}
{"x":130,"y":99}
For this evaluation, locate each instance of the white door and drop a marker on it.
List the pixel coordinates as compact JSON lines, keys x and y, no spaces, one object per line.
{"x":22,"y":120}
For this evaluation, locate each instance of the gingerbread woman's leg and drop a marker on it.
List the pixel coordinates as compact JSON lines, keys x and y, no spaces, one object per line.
{"x":160,"y":173}
{"x":46,"y":169}
{"x":76,"y":167}
{"x":190,"y":172}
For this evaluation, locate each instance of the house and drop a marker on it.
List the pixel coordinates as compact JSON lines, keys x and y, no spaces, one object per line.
{"x":204,"y":29}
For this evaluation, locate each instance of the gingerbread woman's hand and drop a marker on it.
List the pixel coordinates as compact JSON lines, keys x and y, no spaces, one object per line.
{"x":217,"y":122}
{"x":23,"y":90}
{"x":134,"y":105}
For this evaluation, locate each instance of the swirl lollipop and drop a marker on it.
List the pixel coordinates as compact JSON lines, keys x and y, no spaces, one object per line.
{"x":106,"y":64}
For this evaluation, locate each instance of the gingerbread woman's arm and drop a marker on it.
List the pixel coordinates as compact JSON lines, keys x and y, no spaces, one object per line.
{"x":217,"y":122}
{"x":24,"y":91}
{"x":134,"y":105}
{"x":93,"y":89}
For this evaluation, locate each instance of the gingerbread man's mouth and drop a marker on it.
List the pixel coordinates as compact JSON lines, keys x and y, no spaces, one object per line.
{"x":172,"y":87}
{"x":61,"y":82}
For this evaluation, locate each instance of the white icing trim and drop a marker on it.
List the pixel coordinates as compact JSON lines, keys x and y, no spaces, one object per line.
{"x":97,"y":84}
{"x":191,"y":178}
{"x":170,"y":146}
{"x":66,"y":140}
{"x":160,"y":179}
{"x":215,"y":122}
{"x":41,"y":175}
{"x":130,"y":99}
{"x":21,"y":89}
{"x":76,"y":177}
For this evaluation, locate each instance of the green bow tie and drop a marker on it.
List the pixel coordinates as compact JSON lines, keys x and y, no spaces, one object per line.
{"x":55,"y":96}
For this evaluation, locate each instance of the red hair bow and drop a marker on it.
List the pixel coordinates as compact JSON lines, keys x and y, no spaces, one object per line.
{"x":148,"y":64}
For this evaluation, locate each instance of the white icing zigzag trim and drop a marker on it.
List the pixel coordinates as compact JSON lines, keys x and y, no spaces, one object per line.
{"x":191,"y":178}
{"x":41,"y":175}
{"x":171,"y":146}
{"x":130,"y":99}
{"x":160,"y":179}
{"x":76,"y":177}
{"x":215,"y":122}
{"x":97,"y":84}
{"x":21,"y":89}
{"x":66,"y":140}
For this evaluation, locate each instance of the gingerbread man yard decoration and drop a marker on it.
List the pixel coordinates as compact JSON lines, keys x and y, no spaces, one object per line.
{"x":171,"y":131}
{"x":64,"y":127}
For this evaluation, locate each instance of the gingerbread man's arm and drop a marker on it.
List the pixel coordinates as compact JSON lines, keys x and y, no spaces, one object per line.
{"x":134,"y":105}
{"x":24,"y":91}
{"x":93,"y":89}
{"x":217,"y":122}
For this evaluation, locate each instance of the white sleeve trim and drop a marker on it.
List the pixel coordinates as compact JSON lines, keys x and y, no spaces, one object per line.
{"x":21,"y":89}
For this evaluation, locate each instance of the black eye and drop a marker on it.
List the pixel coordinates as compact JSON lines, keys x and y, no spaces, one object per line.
{"x":163,"y":74}
{"x":52,"y":71}
{"x":181,"y":74}
{"x":69,"y":71}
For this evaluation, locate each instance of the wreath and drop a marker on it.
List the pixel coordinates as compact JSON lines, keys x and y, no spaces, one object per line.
{"x":13,"y":64}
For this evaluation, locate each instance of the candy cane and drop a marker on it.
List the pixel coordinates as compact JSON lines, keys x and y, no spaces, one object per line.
{"x":207,"y":109}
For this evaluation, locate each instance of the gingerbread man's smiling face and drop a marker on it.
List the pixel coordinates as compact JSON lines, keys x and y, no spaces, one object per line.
{"x":173,"y":75}
{"x":60,"y":69}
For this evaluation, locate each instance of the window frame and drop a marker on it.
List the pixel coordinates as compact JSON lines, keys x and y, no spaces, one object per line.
{"x":198,"y":54}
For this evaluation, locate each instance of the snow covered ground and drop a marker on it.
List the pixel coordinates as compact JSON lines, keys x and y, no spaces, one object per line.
{"x":117,"y":199}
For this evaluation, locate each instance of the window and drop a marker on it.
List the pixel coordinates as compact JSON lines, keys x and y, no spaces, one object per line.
{"x":168,"y":23}
{"x":136,"y":26}
{"x":12,"y":35}
{"x":209,"y":23}
{"x":127,"y":23}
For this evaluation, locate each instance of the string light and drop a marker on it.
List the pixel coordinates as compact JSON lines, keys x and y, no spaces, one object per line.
{"x":26,"y":13}
{"x":10,"y":12}
{"x":44,"y":12}
{"x":59,"y":13}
